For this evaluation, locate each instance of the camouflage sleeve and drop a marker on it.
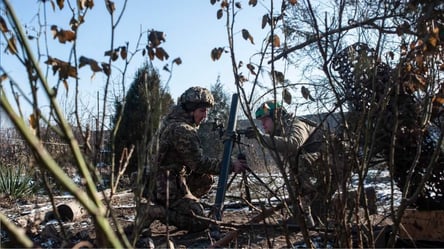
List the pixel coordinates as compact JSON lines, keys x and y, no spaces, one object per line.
{"x":188,"y":143}
{"x":294,"y":138}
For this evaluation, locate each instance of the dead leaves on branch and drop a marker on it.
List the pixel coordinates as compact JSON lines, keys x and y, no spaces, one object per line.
{"x":63,"y":35}
{"x":286,"y":96}
{"x":64,"y":69}
{"x":3,"y":77}
{"x":3,"y":25}
{"x":110,"y":6}
{"x":216,"y":53}
{"x":155,"y":39}
{"x":115,"y":53}
{"x":93,"y":64}
{"x":246,"y":35}
{"x":306,"y":93}
{"x":12,"y":47}
{"x":12,"y":42}
{"x":81,"y":4}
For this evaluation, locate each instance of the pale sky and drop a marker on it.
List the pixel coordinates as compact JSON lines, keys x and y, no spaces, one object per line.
{"x":192,"y":31}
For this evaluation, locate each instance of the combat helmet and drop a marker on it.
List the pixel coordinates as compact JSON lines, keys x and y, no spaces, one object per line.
{"x":196,"y":97}
{"x":268,"y":108}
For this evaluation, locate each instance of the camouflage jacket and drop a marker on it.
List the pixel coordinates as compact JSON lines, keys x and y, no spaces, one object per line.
{"x":297,"y":137}
{"x":181,"y":153}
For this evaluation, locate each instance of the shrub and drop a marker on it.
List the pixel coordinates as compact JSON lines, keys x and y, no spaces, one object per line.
{"x":16,"y":182}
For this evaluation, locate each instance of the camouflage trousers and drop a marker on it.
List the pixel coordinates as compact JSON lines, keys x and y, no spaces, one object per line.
{"x":187,"y":213}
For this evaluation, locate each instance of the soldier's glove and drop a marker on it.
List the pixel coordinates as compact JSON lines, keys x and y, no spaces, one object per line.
{"x":250,"y":133}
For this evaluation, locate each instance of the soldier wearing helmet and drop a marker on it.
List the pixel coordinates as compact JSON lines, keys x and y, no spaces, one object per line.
{"x":182,"y":165}
{"x":296,"y":140}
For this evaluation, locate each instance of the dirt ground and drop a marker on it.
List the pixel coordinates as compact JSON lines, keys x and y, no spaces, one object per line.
{"x":46,"y":232}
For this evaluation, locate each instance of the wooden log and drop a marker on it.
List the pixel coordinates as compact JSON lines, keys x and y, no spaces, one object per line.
{"x":422,"y":225}
{"x":69,"y":211}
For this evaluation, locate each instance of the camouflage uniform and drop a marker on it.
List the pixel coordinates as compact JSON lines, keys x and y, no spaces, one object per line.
{"x":297,"y":140}
{"x":182,"y":164}
{"x":301,"y":147}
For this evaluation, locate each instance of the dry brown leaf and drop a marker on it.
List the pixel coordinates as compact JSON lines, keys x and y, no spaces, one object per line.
{"x":306,"y":93}
{"x":286,"y":95}
{"x":114,"y":54}
{"x":91,"y":62}
{"x":64,"y":69}
{"x":161,"y":54}
{"x":151,"y":53}
{"x":238,"y":5}
{"x":279,"y":76}
{"x":3,"y":26}
{"x":246,"y":35}
{"x":74,"y":24}
{"x":220,"y":13}
{"x":293,"y":2}
{"x":12,"y":47}
{"x":60,"y":3}
{"x":66,"y":35}
{"x":89,"y":4}
{"x":265,"y":20}
{"x":224,"y":4}
{"x":178,"y":61}
{"x":110,"y":6}
{"x":106,"y":68}
{"x":33,"y":123}
{"x":54,"y":31}
{"x":251,"y":68}
{"x":155,"y":38}
{"x":63,"y":35}
{"x":276,"y":41}
{"x":3,"y":77}
{"x":216,"y":53}
{"x":252,"y":2}
{"x":213,"y":2}
{"x":123,"y":52}
{"x":82,"y":4}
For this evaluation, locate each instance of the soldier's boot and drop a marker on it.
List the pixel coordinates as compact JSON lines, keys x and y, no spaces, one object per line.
{"x":150,"y":213}
{"x":146,"y":215}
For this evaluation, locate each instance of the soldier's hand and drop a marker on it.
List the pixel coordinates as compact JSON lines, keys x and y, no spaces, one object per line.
{"x":239,"y":166}
{"x":250,"y":132}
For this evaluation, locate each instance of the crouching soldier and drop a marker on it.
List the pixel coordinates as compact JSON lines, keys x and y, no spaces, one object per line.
{"x":184,"y":172}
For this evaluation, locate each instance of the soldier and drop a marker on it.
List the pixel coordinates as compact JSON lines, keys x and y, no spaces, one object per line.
{"x":296,"y":140}
{"x":182,"y":165}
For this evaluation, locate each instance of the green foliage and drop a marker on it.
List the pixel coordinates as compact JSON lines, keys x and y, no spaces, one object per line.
{"x":145,"y":103}
{"x":212,"y":144}
{"x":16,"y":182}
{"x":221,"y":106}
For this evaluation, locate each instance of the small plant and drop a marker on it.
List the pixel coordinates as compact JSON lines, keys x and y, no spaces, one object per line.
{"x":16,"y":182}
